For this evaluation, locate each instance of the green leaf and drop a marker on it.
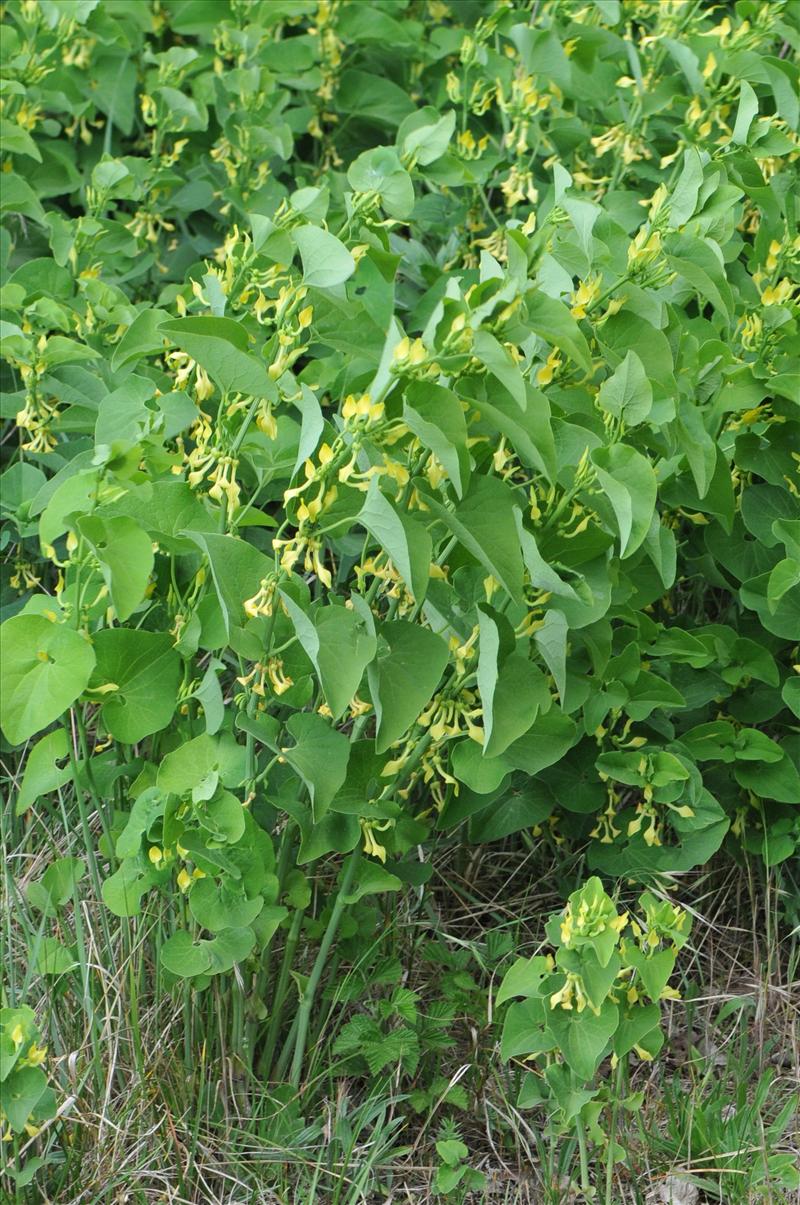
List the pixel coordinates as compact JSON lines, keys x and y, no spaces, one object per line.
{"x":569,"y":1097}
{"x":748,"y":109}
{"x":551,"y":641}
{"x":629,"y":483}
{"x":546,"y":742}
{"x":44,"y":668}
{"x":68,"y":495}
{"x":57,"y":885}
{"x":222,"y":906}
{"x":791,"y":695}
{"x":582,"y":1037}
{"x":661,"y":547}
{"x":17,"y":196}
{"x":319,"y":756}
{"x":425,"y":135}
{"x":184,"y":957}
{"x":237,"y":568}
{"x":126,"y":558}
{"x":16,"y":140}
{"x":552,"y":320}
{"x":524,"y":1031}
{"x":684,"y":195}
{"x":483,"y":521}
{"x":209,"y":696}
{"x":373,"y":879}
{"x":637,"y":1022}
{"x":187,"y":766}
{"x":520,"y":808}
{"x":380,"y":171}
{"x":627,"y":393}
{"x":520,"y":695}
{"x":404,"y":540}
{"x":53,"y":958}
{"x":42,"y":771}
{"x":362,"y":92}
{"x":481,"y":774}
{"x":403,"y":677}
{"x":452,"y":1151}
{"x":776,"y":780}
{"x":501,"y":364}
{"x":21,"y":1094}
{"x":783,"y":578}
{"x":697,"y":445}
{"x":188,"y":958}
{"x":523,"y":978}
{"x":311,"y":427}
{"x":123,"y":891}
{"x":497,"y":642}
{"x":142,"y":338}
{"x":165,"y":509}
{"x":146,"y":671}
{"x":222,"y":816}
{"x":530,"y":431}
{"x":148,"y":807}
{"x":543,"y":576}
{"x":221,"y":347}
{"x":338,"y":643}
{"x":703,"y":270}
{"x":229,"y":947}
{"x":436,"y":417}
{"x":326,"y":260}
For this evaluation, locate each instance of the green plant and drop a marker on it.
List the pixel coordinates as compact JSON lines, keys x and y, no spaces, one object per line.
{"x":598,"y":996}
{"x":27,"y":1099}
{"x":454,"y":1177}
{"x":400,"y":404}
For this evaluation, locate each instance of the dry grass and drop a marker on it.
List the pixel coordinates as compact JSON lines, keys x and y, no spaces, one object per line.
{"x":154,"y":1105}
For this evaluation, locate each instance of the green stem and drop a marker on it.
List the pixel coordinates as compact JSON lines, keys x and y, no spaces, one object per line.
{"x":612,"y":1137}
{"x":283,"y":1060}
{"x":86,"y":831}
{"x":265,"y":1062}
{"x":586,"y":1187}
{"x":307,"y":1002}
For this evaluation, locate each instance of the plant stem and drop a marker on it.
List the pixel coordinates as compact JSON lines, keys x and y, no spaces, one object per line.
{"x":283,"y":1060}
{"x":265,"y":1061}
{"x":586,"y":1187}
{"x":86,"y":831}
{"x":307,"y":1002}
{"x":612,"y":1137}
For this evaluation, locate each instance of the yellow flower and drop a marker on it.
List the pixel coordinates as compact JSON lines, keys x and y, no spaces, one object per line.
{"x":779,"y":293}
{"x":371,"y":846}
{"x":149,"y":112}
{"x":644,"y":249}
{"x":280,"y":681}
{"x":361,"y":411}
{"x":548,"y":370}
{"x":261,"y":601}
{"x":223,"y":476}
{"x":584,"y":296}
{"x":519,"y":186}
